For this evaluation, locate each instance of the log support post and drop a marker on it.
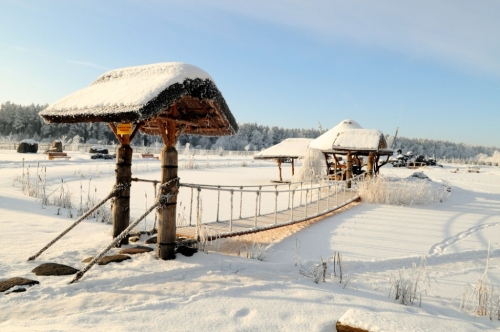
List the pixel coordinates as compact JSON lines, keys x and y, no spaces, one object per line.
{"x":348,"y":172}
{"x":369,"y":165}
{"x":293,"y":167}
{"x":167,"y":212}
{"x":279,"y":166}
{"x":121,"y":203}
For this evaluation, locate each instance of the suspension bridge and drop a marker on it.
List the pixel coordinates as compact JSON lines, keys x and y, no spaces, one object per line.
{"x":225,"y":211}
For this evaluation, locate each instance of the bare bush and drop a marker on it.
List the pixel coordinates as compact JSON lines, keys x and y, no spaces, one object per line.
{"x":408,"y":289}
{"x":482,"y":298}
{"x":401,"y":191}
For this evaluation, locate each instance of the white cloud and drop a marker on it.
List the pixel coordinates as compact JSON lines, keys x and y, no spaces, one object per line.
{"x":461,"y":33}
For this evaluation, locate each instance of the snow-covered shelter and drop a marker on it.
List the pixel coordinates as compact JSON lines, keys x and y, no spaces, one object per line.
{"x":167,"y":99}
{"x":348,"y":138}
{"x":286,"y":152}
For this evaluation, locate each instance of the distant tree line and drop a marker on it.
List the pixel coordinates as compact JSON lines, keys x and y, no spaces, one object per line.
{"x":440,"y":149}
{"x":18,"y":122}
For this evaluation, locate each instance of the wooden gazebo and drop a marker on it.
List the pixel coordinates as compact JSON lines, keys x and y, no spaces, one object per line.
{"x":285,"y":152}
{"x":358,"y":143}
{"x":167,"y":99}
{"x":349,"y":139}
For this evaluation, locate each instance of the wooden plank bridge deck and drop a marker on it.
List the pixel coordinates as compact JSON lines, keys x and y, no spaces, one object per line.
{"x":272,"y":220}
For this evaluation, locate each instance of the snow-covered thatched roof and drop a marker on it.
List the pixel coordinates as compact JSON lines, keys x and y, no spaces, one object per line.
{"x":325,"y":141}
{"x":361,"y":140}
{"x":174,"y":91}
{"x":348,"y":135}
{"x":288,"y":148}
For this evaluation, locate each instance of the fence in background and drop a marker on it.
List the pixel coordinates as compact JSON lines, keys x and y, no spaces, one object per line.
{"x":137,"y":149}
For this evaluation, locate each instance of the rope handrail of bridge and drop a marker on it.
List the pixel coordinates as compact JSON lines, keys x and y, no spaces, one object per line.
{"x":83,"y":217}
{"x":207,"y":186}
{"x":235,"y":188}
{"x":318,"y":197}
{"x":161,"y":201}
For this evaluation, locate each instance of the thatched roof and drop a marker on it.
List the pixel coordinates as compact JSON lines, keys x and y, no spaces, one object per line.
{"x":288,"y":148}
{"x":361,"y":141}
{"x":170,"y":91}
{"x":324,"y":142}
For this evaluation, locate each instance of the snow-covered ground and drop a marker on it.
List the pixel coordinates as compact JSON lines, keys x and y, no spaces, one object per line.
{"x":225,"y":292}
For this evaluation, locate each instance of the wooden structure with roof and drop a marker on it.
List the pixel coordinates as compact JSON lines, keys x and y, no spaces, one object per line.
{"x":167,"y":99}
{"x":286,"y":152}
{"x":349,"y":139}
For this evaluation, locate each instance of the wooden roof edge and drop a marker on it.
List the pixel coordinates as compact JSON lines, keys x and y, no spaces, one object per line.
{"x":275,"y":157}
{"x":196,"y":88}
{"x":382,"y":152}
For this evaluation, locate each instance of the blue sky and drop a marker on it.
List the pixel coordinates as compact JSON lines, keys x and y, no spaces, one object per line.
{"x":431,"y":68}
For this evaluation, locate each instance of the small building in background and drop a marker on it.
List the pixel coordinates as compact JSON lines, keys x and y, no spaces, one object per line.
{"x":286,"y":152}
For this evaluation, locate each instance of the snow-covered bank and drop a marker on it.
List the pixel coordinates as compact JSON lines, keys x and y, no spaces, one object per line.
{"x":220,"y":292}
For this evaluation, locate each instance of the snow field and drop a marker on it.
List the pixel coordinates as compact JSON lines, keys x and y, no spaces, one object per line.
{"x":225,"y":292}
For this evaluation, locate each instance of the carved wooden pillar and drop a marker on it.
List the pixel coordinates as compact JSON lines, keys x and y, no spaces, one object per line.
{"x":167,"y":228}
{"x":121,"y":203}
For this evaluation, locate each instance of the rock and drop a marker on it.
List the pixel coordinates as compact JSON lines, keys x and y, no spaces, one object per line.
{"x":135,"y":250}
{"x":102,"y":156}
{"x":185,"y":250}
{"x":108,"y":259}
{"x":419,"y":175}
{"x":134,"y":238}
{"x":98,"y":149}
{"x":54,"y":269}
{"x":151,"y":240}
{"x":18,"y":290}
{"x":56,"y":146}
{"x":27,"y":146}
{"x":16,"y":281}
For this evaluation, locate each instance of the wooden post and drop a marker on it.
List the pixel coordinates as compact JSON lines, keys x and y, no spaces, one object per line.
{"x":279,"y":166}
{"x":165,"y":248}
{"x":335,"y":167}
{"x":121,"y":204}
{"x":327,"y":166}
{"x":293,"y":167}
{"x":369,"y":165}
{"x":348,"y":172}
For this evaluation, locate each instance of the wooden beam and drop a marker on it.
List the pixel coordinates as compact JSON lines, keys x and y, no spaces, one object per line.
{"x":179,"y":132}
{"x":180,"y":121}
{"x":136,"y":129}
{"x":162,"y":130}
{"x":171,"y":133}
{"x":113,"y":129}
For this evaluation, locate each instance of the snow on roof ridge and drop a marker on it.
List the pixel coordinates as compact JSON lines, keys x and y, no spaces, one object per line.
{"x":175,"y":69}
{"x":130,"y":88}
{"x":358,"y":138}
{"x":289,"y":147}
{"x":325,"y":141}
